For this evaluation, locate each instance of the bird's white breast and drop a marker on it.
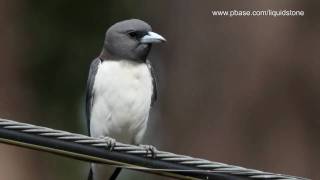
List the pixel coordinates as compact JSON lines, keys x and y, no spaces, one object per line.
{"x":122,"y":98}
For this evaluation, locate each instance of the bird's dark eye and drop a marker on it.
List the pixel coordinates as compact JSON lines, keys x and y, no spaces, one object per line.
{"x":136,"y":34}
{"x":133,"y":34}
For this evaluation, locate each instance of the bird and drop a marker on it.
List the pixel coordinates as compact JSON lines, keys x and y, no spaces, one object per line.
{"x":121,"y":88}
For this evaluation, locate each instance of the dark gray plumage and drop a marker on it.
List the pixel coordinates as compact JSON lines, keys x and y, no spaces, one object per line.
{"x":154,"y":83}
{"x":121,"y":41}
{"x":121,"y":87}
{"x":89,"y":92}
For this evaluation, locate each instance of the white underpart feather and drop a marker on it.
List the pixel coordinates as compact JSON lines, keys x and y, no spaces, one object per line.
{"x":122,"y":99}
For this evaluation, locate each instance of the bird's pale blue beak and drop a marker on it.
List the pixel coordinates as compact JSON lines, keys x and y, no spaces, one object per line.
{"x":152,"y":37}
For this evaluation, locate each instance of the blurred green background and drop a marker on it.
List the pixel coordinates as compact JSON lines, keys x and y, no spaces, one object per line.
{"x":241,"y":90}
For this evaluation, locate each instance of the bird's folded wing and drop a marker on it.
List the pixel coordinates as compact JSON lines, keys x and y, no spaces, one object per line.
{"x":90,"y":93}
{"x":154,"y":83}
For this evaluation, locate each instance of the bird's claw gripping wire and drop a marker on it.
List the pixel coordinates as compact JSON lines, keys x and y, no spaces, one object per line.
{"x":150,"y":149}
{"x":110,"y":142}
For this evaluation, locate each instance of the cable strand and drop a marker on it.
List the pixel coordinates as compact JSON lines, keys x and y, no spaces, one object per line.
{"x":196,"y":165}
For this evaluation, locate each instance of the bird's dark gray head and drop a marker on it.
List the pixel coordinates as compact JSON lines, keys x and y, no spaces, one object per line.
{"x":129,"y":39}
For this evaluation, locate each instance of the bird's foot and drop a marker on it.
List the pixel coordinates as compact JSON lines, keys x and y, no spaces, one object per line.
{"x":111,"y":143}
{"x":150,"y":149}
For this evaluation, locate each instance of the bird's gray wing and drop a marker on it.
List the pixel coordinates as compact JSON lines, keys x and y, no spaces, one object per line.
{"x":154,"y":83}
{"x":90,"y":93}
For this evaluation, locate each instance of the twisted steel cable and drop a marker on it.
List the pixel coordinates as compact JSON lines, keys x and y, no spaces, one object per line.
{"x":124,"y":155}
